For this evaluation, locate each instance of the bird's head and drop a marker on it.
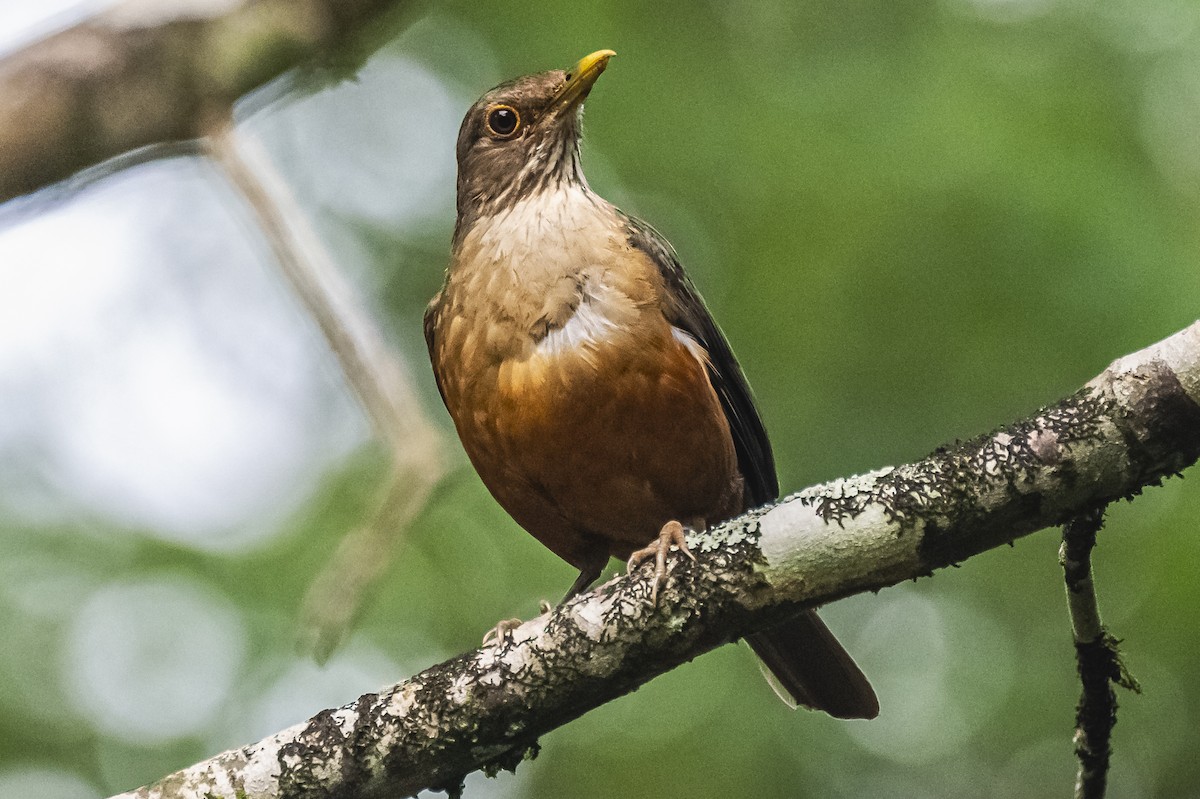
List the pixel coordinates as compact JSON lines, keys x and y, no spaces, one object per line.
{"x":522,"y":137}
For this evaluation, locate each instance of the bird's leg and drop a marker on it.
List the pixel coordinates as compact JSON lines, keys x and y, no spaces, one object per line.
{"x":587,"y":576}
{"x":505,"y":627}
{"x":672,"y":534}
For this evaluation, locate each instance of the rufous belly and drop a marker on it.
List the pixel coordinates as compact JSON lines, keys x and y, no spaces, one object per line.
{"x":592,"y":452}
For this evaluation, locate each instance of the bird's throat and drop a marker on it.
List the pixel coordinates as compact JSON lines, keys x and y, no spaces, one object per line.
{"x":540,"y":263}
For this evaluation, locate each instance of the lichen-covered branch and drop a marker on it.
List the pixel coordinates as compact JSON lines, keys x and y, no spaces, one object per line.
{"x":1136,"y":423}
{"x":142,"y":74}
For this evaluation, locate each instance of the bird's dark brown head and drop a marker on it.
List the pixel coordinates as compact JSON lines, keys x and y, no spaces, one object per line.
{"x":522,"y":137}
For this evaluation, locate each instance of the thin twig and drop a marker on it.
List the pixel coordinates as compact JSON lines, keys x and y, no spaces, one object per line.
{"x":375,"y":372}
{"x":1097,"y":658}
{"x":1075,"y":556}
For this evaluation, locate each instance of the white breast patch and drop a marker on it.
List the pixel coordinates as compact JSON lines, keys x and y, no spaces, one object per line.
{"x":601,"y":314}
{"x":588,"y":326}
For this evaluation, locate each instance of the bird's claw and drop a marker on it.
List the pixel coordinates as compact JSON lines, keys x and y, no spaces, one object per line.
{"x":672,"y":534}
{"x":503,"y":629}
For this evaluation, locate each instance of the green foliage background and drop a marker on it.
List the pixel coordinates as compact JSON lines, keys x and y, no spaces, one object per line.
{"x":915,"y":221}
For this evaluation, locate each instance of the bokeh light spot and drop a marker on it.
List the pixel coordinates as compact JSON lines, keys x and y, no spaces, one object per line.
{"x":939,"y":669}
{"x":165,"y":380}
{"x":403,"y":121}
{"x":153,"y":659}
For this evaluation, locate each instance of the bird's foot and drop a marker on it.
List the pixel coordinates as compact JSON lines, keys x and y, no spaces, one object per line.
{"x":672,"y":534}
{"x":503,"y":629}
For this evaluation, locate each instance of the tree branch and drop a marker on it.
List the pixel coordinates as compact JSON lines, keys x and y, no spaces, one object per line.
{"x":1097,"y":658}
{"x":138,"y":75}
{"x":1134,"y":424}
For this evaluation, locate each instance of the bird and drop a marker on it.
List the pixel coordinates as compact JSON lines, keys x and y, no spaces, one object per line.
{"x":590,"y":386}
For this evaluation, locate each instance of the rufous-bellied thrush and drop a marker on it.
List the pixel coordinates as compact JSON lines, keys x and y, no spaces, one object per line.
{"x":591,"y":388}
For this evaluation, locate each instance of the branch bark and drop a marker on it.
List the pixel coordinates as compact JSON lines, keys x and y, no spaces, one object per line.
{"x":1133,"y":425}
{"x":145,"y":74}
{"x":1097,"y":658}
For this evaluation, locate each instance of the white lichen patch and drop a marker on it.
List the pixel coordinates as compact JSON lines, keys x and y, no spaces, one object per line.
{"x":520,"y":658}
{"x":402,"y":701}
{"x":995,"y":454}
{"x":513,"y":654}
{"x":783,"y":532}
{"x":346,"y":718}
{"x":260,"y":776}
{"x":589,"y":617}
{"x":290,"y":760}
{"x":801,"y":549}
{"x":491,"y":677}
{"x":487,"y":668}
{"x":848,"y":487}
{"x":213,"y":778}
{"x":722,"y":537}
{"x":1043,"y":442}
{"x":1180,"y":353}
{"x":531,"y":630}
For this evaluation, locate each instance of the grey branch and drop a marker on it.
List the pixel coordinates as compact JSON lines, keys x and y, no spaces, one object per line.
{"x":144,"y":74}
{"x":1135,"y":424}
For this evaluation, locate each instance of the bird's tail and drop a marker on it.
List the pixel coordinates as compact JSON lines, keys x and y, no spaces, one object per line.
{"x":813,"y":669}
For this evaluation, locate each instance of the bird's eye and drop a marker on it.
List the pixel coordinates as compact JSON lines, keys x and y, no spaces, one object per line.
{"x":503,"y":121}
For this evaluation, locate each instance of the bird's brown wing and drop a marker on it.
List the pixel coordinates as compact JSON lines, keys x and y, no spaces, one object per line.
{"x":686,"y":310}
{"x":800,"y":652}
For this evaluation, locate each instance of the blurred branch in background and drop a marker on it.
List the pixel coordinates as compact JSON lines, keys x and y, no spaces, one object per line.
{"x":144,"y":75}
{"x":141,"y":81}
{"x":378,"y":376}
{"x":1133,"y":425}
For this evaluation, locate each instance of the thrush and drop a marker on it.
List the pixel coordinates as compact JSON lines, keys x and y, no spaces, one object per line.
{"x":591,"y":388}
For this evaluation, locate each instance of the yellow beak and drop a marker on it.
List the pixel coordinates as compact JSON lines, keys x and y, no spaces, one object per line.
{"x":581,"y":78}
